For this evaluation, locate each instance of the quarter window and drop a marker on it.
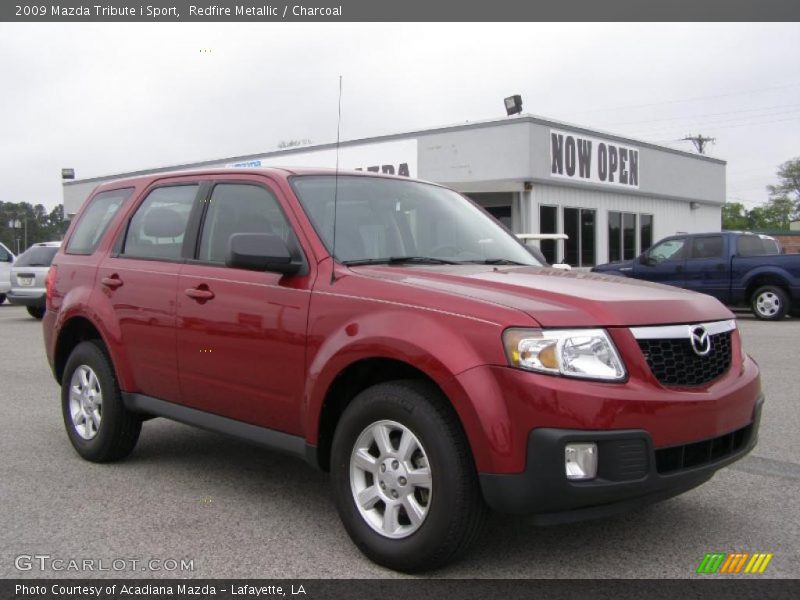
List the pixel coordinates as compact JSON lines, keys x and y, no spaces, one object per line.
{"x":159,"y":224}
{"x":239,"y":208}
{"x":95,"y":220}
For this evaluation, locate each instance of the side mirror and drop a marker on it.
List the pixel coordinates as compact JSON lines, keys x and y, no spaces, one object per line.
{"x":261,"y":252}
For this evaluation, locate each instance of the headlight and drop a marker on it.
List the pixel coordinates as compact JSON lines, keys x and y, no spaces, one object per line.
{"x":586,"y":353}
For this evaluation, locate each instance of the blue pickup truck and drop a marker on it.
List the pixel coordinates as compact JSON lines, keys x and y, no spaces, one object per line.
{"x":739,"y":269}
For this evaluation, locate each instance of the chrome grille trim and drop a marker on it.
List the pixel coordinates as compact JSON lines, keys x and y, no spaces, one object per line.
{"x":671,"y":332}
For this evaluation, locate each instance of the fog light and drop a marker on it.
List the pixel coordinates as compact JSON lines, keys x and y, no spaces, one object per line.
{"x":580,"y":461}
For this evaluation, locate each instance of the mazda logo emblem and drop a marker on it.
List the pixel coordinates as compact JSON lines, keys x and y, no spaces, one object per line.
{"x":701,"y":342}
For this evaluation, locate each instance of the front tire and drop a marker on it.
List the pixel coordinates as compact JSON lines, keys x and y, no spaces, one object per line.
{"x":769,"y":303}
{"x":2,"y":298}
{"x":99,"y":426}
{"x":404,"y":481}
{"x":37,"y":312}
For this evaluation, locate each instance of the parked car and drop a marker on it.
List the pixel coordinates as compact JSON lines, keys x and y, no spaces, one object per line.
{"x":738,"y":269}
{"x":28,"y":274}
{"x":389,"y":331}
{"x":6,"y":259}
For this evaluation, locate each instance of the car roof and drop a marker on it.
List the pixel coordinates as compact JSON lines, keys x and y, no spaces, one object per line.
{"x":281,"y":172}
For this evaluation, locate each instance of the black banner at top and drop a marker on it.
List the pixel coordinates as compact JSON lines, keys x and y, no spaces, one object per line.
{"x":396,"y":10}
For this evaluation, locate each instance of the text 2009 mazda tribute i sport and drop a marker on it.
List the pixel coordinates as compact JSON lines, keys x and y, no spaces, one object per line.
{"x":421,"y":354}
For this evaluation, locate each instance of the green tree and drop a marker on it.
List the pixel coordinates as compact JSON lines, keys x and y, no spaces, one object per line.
{"x":23,"y":224}
{"x":785,"y":197}
{"x":734,"y":216}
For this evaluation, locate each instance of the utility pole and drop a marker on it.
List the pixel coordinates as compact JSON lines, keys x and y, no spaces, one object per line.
{"x":699,"y":141}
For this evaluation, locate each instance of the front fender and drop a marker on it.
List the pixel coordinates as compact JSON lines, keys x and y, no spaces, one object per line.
{"x":435,"y":345}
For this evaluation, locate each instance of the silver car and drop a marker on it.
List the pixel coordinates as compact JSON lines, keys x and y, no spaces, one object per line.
{"x":28,"y":274}
{"x":6,"y":258}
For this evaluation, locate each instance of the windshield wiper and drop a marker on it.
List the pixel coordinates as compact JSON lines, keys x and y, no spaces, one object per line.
{"x":400,"y":260}
{"x":497,"y":261}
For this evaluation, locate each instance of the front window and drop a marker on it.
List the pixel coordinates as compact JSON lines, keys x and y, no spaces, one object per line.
{"x":668,"y":250}
{"x":382,"y":219}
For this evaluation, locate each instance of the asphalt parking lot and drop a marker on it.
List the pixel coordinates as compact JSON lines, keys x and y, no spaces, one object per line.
{"x":239,"y":511}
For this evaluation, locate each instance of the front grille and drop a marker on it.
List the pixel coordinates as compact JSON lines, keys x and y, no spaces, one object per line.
{"x":673,"y":459}
{"x":675,"y":363}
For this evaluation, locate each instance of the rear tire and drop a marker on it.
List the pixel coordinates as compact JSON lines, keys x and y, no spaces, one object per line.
{"x":99,"y":426}
{"x":2,"y":298}
{"x":37,"y":312}
{"x":424,"y":470}
{"x":769,"y":303}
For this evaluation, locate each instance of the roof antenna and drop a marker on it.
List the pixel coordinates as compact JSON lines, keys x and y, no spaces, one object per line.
{"x":336,"y":186}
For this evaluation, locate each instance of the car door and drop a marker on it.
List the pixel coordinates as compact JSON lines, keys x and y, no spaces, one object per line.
{"x":706,"y":268}
{"x":242,"y":333}
{"x":140,"y":278}
{"x":663,"y":263}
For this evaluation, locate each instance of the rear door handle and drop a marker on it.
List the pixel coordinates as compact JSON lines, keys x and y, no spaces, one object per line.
{"x":113,"y":282}
{"x":199,"y":293}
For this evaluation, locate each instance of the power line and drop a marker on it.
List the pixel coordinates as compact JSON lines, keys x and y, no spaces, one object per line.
{"x":703,"y":116}
{"x":679,"y":101}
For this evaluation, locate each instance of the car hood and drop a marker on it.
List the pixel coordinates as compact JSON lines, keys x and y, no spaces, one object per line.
{"x":556,"y":298}
{"x":621,"y":265}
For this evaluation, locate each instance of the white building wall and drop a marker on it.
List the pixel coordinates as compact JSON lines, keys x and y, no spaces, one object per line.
{"x":669,"y":216}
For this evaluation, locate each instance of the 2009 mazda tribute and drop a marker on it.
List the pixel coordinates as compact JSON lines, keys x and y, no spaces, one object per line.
{"x":391,"y":332}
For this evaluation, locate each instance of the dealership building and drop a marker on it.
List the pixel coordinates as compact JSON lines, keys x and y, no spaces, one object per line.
{"x":612,"y":196}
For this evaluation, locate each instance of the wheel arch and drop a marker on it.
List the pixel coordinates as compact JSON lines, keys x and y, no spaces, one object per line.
{"x":359,"y":375}
{"x":74,"y":330}
{"x":763,"y":278}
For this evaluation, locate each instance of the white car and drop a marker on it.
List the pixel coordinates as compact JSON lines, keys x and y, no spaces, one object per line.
{"x":28,"y":275}
{"x":6,"y":259}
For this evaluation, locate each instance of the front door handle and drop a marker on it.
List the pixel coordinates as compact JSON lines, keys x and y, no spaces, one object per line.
{"x":112,"y":282}
{"x":199,"y":293}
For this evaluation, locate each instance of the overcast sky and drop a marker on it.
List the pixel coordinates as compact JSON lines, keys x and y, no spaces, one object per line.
{"x":108,"y":98}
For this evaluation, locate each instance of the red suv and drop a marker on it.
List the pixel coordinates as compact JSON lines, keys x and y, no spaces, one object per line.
{"x":389,"y":331}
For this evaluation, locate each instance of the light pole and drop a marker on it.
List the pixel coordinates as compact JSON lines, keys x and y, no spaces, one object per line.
{"x":15,"y":224}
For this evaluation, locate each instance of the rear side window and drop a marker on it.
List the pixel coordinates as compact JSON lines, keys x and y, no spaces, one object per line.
{"x":750,"y":245}
{"x":95,"y":220}
{"x":37,"y":256}
{"x":707,"y":247}
{"x":159,"y":224}
{"x":239,"y":208}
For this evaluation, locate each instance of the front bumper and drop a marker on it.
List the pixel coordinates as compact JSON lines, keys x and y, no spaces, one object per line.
{"x":36,"y":299}
{"x":631,"y":472}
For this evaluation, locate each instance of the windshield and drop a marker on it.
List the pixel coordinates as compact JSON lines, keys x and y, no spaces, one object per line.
{"x":388,"y":220}
{"x":37,"y":256}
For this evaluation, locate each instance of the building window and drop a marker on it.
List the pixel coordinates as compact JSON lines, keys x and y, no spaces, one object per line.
{"x":548,"y":223}
{"x":645,"y":232}
{"x":579,"y":226}
{"x":628,"y":236}
{"x":623,"y":235}
{"x":502,"y":214}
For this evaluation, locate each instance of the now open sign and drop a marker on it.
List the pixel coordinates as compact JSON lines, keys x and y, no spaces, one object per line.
{"x":593,"y":160}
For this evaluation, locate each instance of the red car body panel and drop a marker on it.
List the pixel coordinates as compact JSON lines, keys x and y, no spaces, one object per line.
{"x":267,"y":348}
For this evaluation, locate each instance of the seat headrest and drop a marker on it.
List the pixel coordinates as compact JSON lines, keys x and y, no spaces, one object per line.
{"x":163,"y":222}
